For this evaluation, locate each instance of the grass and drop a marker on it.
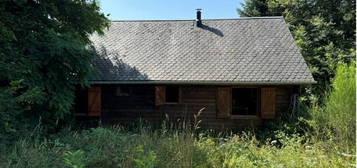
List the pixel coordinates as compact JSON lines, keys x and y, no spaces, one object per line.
{"x":117,"y":147}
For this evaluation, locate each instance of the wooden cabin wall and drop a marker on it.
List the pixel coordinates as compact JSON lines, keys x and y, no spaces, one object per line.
{"x":126,"y":109}
{"x":141,"y":104}
{"x":283,"y":99}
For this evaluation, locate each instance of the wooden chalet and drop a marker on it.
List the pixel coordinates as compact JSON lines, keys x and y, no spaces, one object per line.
{"x":242,"y":71}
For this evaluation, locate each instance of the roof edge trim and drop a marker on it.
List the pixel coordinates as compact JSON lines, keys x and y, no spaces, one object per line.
{"x":204,"y":82}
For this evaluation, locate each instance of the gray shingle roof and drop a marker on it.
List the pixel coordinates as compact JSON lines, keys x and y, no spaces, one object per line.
{"x":223,"y":51}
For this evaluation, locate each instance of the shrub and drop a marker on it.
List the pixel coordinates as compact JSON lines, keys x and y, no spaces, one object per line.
{"x":337,"y":118}
{"x":144,"y":159}
{"x":74,"y":159}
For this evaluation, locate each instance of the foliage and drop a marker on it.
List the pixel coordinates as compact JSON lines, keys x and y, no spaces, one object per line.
{"x":253,"y":8}
{"x":117,"y":147}
{"x":323,"y":30}
{"x":74,"y":159}
{"x":44,"y":52}
{"x":337,"y":118}
{"x":144,"y":160}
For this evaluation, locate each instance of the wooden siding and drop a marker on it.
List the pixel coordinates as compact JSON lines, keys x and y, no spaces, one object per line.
{"x":283,"y":99}
{"x":141,"y":104}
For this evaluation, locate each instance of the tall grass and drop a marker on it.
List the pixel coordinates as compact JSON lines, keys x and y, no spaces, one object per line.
{"x":148,"y":148}
{"x":336,"y":119}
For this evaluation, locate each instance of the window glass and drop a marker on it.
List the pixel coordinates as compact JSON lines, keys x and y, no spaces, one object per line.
{"x":172,"y":94}
{"x":244,"y":101}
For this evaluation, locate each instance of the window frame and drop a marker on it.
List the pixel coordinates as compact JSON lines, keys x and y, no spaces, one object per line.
{"x":179,"y":95}
{"x":256,"y":116}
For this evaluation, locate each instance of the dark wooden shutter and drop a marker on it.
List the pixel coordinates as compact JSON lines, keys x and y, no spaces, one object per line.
{"x":94,"y":101}
{"x":160,"y":95}
{"x":224,"y":102}
{"x":268,"y":101}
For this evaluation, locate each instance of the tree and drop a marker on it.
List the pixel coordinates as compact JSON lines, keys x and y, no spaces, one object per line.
{"x":45,"y":52}
{"x":324,"y":30}
{"x":254,"y":8}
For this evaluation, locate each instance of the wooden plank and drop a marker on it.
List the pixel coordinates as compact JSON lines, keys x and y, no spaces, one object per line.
{"x":141,"y":104}
{"x":224,"y":102}
{"x":268,"y":102}
{"x":160,"y":95}
{"x":94,"y":101}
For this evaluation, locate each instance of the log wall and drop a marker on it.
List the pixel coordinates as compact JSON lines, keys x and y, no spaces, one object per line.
{"x":141,"y":104}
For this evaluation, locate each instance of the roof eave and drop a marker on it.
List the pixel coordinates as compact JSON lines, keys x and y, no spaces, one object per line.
{"x":199,"y":82}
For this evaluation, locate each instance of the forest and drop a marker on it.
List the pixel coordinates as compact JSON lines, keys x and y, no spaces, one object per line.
{"x":45,"y":52}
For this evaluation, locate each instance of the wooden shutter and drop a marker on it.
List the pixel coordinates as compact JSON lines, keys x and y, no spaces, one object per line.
{"x":94,"y":101}
{"x":160,"y":95}
{"x":224,"y":102}
{"x":268,"y":101}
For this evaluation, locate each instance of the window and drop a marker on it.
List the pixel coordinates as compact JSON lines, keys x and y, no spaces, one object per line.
{"x":122,"y":91}
{"x":244,"y":101}
{"x":172,"y":94}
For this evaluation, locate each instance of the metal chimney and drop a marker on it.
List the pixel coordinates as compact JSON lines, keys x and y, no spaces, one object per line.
{"x":198,"y":18}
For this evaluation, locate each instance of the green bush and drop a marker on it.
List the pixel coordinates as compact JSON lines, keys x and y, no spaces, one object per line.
{"x":144,"y":159}
{"x":337,"y":118}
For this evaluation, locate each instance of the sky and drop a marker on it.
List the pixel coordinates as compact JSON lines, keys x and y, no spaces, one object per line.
{"x":169,"y":9}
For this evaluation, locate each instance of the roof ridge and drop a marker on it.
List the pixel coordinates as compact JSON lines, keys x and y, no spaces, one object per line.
{"x":175,"y":20}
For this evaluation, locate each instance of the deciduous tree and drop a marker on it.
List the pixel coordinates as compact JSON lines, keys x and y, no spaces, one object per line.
{"x":44,"y":52}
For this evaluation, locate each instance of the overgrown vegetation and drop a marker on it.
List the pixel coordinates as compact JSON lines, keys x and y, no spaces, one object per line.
{"x":336,"y":119}
{"x":146,"y":148}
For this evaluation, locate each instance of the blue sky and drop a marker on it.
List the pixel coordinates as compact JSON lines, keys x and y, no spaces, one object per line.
{"x":169,"y":9}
